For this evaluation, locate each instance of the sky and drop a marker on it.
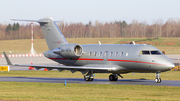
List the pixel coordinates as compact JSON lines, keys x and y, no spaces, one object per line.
{"x":75,"y":11}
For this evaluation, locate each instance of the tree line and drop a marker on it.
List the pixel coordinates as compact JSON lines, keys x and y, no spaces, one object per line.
{"x":116,"y":29}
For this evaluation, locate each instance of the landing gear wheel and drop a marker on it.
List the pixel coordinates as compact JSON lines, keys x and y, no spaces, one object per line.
{"x":113,"y":77}
{"x":86,"y":78}
{"x":158,"y":80}
{"x":91,"y":79}
{"x":89,"y":76}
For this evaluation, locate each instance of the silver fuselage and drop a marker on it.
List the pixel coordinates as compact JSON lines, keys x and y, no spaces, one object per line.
{"x":125,"y":57}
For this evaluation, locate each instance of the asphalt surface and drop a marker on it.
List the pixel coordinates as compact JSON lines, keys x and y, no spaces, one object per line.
{"x":45,"y":61}
{"x":95,"y":81}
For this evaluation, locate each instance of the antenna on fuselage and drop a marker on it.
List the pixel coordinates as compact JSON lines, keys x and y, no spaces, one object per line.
{"x":99,"y":42}
{"x":132,"y":42}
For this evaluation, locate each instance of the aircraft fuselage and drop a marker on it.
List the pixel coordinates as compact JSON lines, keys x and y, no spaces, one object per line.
{"x":125,"y":57}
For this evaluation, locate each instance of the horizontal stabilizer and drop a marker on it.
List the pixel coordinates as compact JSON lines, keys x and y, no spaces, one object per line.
{"x":39,"y":21}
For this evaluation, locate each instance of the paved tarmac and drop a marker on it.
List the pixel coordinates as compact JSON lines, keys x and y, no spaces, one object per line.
{"x":96,"y":81}
{"x":45,"y":61}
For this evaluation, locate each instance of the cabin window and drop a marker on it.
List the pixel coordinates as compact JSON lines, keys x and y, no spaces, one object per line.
{"x":127,"y":54}
{"x":145,"y":52}
{"x":90,"y":53}
{"x":95,"y":53}
{"x":155,"y":53}
{"x":116,"y":53}
{"x":111,"y":53}
{"x":100,"y":53}
{"x":105,"y":54}
{"x":121,"y":54}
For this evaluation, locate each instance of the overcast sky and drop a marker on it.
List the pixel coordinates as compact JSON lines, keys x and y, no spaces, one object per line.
{"x":90,"y":10}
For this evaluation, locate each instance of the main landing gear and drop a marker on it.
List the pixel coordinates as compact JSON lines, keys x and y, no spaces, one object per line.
{"x":158,"y":80}
{"x":89,"y":76}
{"x":114,"y":77}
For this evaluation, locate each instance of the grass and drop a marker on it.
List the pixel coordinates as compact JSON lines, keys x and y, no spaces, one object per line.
{"x":170,"y":75}
{"x":31,"y":91}
{"x":91,"y":92}
{"x":23,"y":46}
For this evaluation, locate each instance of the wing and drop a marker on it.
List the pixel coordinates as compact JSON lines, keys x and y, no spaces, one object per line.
{"x":78,"y":68}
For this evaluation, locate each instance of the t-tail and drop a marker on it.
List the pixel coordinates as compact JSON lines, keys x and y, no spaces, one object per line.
{"x":53,"y":35}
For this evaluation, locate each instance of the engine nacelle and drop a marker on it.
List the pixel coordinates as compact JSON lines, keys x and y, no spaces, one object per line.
{"x":69,"y":51}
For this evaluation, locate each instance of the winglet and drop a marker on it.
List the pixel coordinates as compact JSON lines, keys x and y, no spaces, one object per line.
{"x":7,"y":59}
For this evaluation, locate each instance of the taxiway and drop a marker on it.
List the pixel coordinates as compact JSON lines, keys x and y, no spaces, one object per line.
{"x":95,"y":81}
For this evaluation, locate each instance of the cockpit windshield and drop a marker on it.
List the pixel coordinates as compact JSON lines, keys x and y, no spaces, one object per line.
{"x":155,"y":53}
{"x":150,"y":52}
{"x":145,"y":52}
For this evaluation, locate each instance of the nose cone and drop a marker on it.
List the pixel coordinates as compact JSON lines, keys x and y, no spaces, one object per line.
{"x":170,"y":65}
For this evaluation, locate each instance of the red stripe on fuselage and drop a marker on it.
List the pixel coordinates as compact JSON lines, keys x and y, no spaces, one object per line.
{"x":88,"y":59}
{"x":135,"y":61}
{"x":107,"y":60}
{"x":76,"y":59}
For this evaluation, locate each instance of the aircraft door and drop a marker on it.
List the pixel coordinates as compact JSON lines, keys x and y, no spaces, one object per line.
{"x":105,"y":56}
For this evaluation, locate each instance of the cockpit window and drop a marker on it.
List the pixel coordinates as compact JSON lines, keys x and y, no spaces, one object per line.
{"x":151,"y":52}
{"x":145,"y":52}
{"x":155,"y":53}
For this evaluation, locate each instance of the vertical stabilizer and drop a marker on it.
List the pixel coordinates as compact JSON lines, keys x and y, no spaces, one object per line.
{"x":52,"y":33}
{"x":54,"y":37}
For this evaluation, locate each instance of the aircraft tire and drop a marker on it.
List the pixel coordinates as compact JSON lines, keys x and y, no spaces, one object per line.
{"x":86,"y":78}
{"x":113,"y":78}
{"x":91,"y":79}
{"x":158,"y":80}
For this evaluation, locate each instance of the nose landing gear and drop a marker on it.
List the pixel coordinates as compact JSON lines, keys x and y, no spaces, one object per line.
{"x":158,"y":80}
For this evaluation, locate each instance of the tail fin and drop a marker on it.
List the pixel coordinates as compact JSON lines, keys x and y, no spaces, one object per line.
{"x":54,"y":37}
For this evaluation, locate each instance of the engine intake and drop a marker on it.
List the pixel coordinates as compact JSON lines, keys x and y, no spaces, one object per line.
{"x":69,"y":51}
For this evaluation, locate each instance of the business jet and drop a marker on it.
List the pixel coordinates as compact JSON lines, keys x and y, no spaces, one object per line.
{"x":116,"y":59}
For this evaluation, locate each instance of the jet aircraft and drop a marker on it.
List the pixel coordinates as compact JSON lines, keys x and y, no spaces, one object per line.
{"x":116,"y":59}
